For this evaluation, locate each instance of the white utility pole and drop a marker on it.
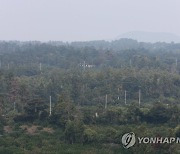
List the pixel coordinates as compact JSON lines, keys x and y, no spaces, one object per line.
{"x":50,"y":106}
{"x":130,"y":62}
{"x":84,"y":65}
{"x":106,"y":102}
{"x":139,"y":97}
{"x":14,"y":106}
{"x":125,"y":98}
{"x":118,"y":93}
{"x":40,"y":66}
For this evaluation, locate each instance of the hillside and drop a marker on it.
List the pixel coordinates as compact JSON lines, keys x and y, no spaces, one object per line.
{"x":151,"y":37}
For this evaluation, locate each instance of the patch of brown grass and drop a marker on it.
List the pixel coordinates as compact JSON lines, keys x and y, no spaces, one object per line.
{"x":8,"y":129}
{"x":48,"y":130}
{"x":33,"y":130}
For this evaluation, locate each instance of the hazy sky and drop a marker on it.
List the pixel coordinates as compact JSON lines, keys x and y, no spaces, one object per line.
{"x":69,"y":20}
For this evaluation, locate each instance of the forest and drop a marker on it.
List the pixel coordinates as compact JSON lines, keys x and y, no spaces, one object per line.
{"x":81,"y":97}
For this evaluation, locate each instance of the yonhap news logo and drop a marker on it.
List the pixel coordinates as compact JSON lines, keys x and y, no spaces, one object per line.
{"x":129,"y":140}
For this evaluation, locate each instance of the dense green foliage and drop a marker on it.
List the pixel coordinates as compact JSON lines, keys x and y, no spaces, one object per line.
{"x":87,"y":82}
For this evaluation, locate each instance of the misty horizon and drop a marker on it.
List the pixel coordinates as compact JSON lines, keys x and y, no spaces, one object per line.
{"x":139,"y":36}
{"x":67,"y":20}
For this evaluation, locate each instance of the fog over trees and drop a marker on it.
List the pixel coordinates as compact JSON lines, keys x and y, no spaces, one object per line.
{"x":83,"y":96}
